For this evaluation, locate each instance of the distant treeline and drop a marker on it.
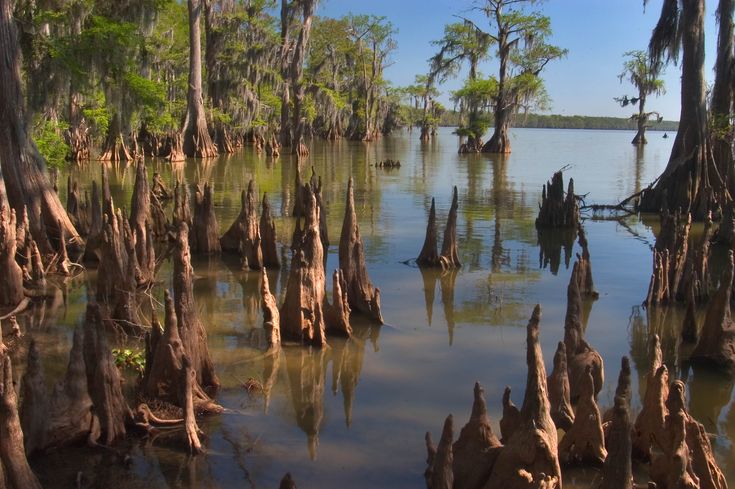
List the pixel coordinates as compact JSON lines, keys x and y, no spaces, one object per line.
{"x":555,"y":121}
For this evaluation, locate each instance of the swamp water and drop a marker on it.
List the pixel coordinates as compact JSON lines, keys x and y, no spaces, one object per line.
{"x":354,"y":415}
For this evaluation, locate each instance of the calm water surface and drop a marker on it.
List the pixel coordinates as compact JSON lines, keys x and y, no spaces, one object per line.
{"x":354,"y":415}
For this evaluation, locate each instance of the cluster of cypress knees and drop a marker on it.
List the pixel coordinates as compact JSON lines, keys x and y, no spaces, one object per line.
{"x":530,"y":452}
{"x":180,"y":383}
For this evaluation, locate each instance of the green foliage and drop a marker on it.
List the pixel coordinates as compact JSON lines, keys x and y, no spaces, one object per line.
{"x":130,"y":360}
{"x":49,"y":138}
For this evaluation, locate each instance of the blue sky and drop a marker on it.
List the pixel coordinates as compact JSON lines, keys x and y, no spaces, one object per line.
{"x":596,"y":33}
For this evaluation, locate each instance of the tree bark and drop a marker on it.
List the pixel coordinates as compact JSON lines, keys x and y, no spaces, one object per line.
{"x":722,"y":95}
{"x":362,"y":295}
{"x":11,"y":275}
{"x":197,"y":142}
{"x":296,"y":72}
{"x":23,"y":168}
{"x":192,"y":331}
{"x":15,"y":468}
{"x":690,"y":183}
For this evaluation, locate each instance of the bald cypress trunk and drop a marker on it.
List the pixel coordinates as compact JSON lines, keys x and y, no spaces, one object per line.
{"x":296,"y":72}
{"x":690,"y":182}
{"x":197,"y":141}
{"x":722,"y":94}
{"x":23,"y":168}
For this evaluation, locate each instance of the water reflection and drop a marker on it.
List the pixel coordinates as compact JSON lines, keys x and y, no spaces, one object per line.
{"x":447,"y":280}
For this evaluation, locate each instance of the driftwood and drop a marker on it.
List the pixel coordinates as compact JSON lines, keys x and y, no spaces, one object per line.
{"x":11,"y":275}
{"x":361,"y":294}
{"x":558,"y":210}
{"x":649,"y":425}
{"x":191,"y":330}
{"x":559,"y":391}
{"x":476,"y":448}
{"x":617,"y":472}
{"x":687,"y":460}
{"x":580,"y":354}
{"x":584,"y":443}
{"x":205,"y":232}
{"x":449,"y":257}
{"x":103,"y":381}
{"x":268,"y":236}
{"x":271,"y":315}
{"x":302,"y":314}
{"x":17,"y":473}
{"x":717,"y":338}
{"x":530,"y":459}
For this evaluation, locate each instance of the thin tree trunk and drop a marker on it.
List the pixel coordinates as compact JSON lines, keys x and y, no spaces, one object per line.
{"x":285,"y":136}
{"x":197,"y":141}
{"x":23,"y":168}
{"x":640,"y":137}
{"x":296,"y":72}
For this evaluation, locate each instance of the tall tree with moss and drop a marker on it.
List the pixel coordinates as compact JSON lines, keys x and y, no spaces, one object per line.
{"x":691,"y":181}
{"x":721,"y":104}
{"x":23,"y":170}
{"x":520,"y":44}
{"x":196,"y":139}
{"x":643,"y":74}
{"x":463,"y":42}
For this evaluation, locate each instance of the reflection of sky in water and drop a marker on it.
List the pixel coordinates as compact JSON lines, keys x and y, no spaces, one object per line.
{"x":395,"y":387}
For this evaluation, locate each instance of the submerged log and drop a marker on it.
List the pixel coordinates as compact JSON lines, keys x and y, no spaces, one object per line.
{"x":205,"y":232}
{"x":302,"y":314}
{"x":17,"y":473}
{"x":584,"y":443}
{"x":192,"y":331}
{"x":268,"y":236}
{"x":361,"y":294}
{"x":530,"y":458}
{"x":580,"y":354}
{"x":476,"y":448}
{"x":11,"y":275}
{"x":559,"y":391}
{"x":558,"y":210}
{"x":617,"y":472}
{"x":649,"y":425}
{"x":271,"y":315}
{"x":717,"y":339}
{"x":103,"y":381}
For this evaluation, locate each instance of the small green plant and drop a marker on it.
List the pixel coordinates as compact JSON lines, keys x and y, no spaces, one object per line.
{"x":129,"y":360}
{"x":49,"y":138}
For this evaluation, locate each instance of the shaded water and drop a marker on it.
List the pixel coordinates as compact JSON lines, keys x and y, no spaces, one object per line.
{"x":354,"y":415}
